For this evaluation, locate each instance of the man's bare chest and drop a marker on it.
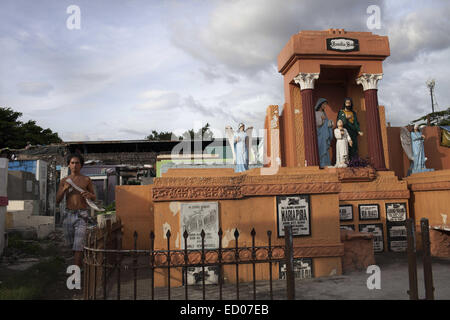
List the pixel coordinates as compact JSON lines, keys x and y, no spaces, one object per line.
{"x":81,"y":182}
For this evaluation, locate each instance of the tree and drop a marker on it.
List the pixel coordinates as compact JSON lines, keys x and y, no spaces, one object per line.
{"x":15,"y":134}
{"x":163,"y":135}
{"x":203,"y":133}
{"x":438,"y":118}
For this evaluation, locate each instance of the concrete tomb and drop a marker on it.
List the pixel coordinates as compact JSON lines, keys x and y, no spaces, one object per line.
{"x":292,"y":188}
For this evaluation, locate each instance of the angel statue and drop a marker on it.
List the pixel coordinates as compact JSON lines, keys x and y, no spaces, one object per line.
{"x":240,"y":143}
{"x":412,"y":144}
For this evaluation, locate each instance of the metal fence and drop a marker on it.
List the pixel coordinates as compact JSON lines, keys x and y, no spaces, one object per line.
{"x":105,"y":263}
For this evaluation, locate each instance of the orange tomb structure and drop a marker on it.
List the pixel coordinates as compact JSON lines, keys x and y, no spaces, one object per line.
{"x":333,"y":64}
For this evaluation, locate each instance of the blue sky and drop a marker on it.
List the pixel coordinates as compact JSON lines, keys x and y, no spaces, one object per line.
{"x":136,"y":66}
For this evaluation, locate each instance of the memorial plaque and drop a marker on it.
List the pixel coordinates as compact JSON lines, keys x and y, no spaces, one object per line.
{"x":396,"y":212}
{"x":397,"y":231}
{"x":294,"y":211}
{"x":377,"y":230}
{"x":398,"y":245}
{"x":198,"y":216}
{"x":396,"y":226}
{"x":195,"y":275}
{"x":195,"y":217}
{"x":302,"y":269}
{"x":397,"y":237}
{"x":348,"y":227}
{"x":369,"y":212}
{"x":342,"y":44}
{"x":346,"y":212}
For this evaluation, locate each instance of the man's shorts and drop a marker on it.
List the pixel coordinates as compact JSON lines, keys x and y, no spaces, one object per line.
{"x":74,"y":225}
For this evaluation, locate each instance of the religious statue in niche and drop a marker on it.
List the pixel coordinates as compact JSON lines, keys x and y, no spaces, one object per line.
{"x":324,"y":132}
{"x":241,"y":146}
{"x":413,"y":145}
{"x":343,"y":140}
{"x":348,"y":117}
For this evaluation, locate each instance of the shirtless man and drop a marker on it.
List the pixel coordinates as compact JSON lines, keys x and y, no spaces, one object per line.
{"x":77,"y":210}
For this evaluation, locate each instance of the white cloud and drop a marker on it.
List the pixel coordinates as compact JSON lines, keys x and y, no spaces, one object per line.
{"x":141,"y":66}
{"x":247,"y":35}
{"x":34,"y":88}
{"x":159,"y":99}
{"x":418,"y":32}
{"x":75,"y":136}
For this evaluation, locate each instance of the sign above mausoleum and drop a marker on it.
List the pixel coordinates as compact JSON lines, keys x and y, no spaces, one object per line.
{"x":342,"y":44}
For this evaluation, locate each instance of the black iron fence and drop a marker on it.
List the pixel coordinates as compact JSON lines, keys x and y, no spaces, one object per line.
{"x":105,"y":262}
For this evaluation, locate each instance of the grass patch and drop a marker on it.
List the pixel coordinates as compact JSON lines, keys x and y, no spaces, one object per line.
{"x":32,"y":283}
{"x":35,"y":248}
{"x":28,"y":247}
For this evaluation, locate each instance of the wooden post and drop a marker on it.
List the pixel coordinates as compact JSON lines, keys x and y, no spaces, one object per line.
{"x":412,"y":263}
{"x":289,"y":255}
{"x":427,"y":270}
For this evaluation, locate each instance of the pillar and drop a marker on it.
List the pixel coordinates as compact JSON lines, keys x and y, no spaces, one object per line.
{"x":374,"y":139}
{"x":3,"y":201}
{"x":306,"y":82}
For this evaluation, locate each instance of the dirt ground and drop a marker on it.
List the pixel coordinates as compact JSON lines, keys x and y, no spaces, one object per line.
{"x":394,"y":281}
{"x":394,"y":284}
{"x":36,"y":269}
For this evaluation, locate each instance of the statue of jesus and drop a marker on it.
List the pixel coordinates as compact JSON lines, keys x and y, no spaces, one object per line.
{"x":350,"y":120}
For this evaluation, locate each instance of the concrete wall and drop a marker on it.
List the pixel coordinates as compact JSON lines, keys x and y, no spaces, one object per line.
{"x":3,"y":195}
{"x":35,"y":170}
{"x":22,"y":186}
{"x":23,"y":216}
{"x":438,"y":156}
{"x":258,"y":213}
{"x":28,"y":225}
{"x":134,"y":207}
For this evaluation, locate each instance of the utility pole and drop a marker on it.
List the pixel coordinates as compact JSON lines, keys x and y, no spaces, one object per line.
{"x":430,"y":85}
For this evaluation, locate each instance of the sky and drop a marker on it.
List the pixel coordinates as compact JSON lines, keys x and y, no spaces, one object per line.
{"x":171,"y":65}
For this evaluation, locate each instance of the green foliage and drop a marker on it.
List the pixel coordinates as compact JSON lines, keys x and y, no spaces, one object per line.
{"x":15,"y":134}
{"x":203,"y":133}
{"x":438,"y":118}
{"x":111,"y":207}
{"x":133,"y":183}
{"x":34,"y":248}
{"x":31,"y":283}
{"x":160,"y":136}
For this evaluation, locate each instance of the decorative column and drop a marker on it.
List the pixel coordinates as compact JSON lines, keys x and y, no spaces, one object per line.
{"x":374,"y":139}
{"x":306,"y":82}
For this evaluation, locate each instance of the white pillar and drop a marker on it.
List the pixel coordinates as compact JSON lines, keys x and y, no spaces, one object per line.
{"x":3,"y":200}
{"x":306,"y":80}
{"x":369,"y":80}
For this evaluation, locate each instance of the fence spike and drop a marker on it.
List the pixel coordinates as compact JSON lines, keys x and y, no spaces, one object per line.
{"x":202,"y":234}
{"x":168,"y":234}
{"x":185,"y":234}
{"x":236,"y":233}
{"x":253,"y":233}
{"x":220,"y":233}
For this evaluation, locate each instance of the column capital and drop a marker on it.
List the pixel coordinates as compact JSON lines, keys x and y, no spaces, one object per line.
{"x":369,"y":80}
{"x":306,"y":80}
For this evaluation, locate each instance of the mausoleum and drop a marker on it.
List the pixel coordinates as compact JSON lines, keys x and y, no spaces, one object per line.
{"x":292,"y":189}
